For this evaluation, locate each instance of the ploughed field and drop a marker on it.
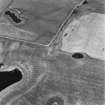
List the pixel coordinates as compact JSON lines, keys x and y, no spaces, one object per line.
{"x":32,"y":46}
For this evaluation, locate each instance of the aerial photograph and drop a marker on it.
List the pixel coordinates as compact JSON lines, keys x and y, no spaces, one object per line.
{"x":52,"y":52}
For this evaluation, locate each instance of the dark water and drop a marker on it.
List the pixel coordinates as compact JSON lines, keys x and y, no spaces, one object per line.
{"x":13,"y":15}
{"x":8,"y":78}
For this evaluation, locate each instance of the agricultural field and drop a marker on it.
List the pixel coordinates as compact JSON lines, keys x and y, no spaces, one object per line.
{"x":52,"y":52}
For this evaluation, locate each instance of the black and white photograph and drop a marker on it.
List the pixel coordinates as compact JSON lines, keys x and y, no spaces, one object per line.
{"x":52,"y":52}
